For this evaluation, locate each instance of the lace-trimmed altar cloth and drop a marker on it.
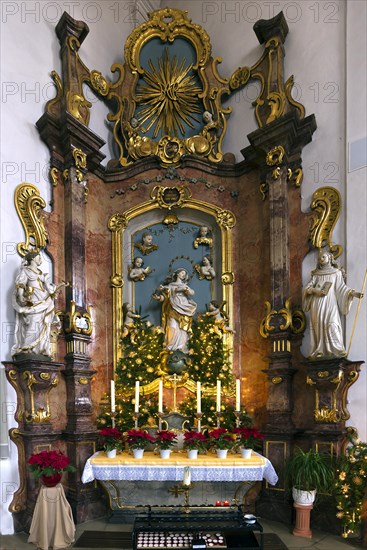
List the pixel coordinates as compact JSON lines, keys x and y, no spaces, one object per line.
{"x":153,"y":468}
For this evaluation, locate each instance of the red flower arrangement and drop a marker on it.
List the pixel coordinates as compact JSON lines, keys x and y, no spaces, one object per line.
{"x":48,"y":463}
{"x":165,"y":439}
{"x":194,"y":440}
{"x":249,"y":438}
{"x":111,"y":438}
{"x":220,"y":438}
{"x":138,"y":439}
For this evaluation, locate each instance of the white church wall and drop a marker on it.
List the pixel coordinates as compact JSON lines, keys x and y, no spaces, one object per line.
{"x":315,"y":54}
{"x":356,"y":199}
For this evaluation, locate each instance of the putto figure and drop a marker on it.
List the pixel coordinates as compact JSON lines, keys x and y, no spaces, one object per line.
{"x":327,"y":297}
{"x":146,"y":246}
{"x":34,"y":304}
{"x":137,"y":272}
{"x":177,"y":310}
{"x":204,"y":237}
{"x":205,"y":270}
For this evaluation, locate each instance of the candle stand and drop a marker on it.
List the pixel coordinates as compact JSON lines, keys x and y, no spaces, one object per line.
{"x":218,"y":419}
{"x":238,"y":418}
{"x":113,"y":414}
{"x":136,"y":417}
{"x":199,"y":416}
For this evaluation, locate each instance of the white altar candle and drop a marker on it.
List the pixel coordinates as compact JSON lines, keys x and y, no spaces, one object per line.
{"x":187,"y":476}
{"x":238,"y":394}
{"x":137,"y":384}
{"x":218,"y":395}
{"x":160,"y":396}
{"x":113,"y":399}
{"x":198,"y":397}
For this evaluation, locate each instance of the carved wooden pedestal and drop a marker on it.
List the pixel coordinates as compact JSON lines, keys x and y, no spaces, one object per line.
{"x":33,"y":381}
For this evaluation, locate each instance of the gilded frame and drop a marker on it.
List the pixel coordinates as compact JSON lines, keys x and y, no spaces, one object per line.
{"x":118,"y":223}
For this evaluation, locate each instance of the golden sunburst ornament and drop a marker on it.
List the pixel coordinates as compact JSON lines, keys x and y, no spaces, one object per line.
{"x":169,"y":96}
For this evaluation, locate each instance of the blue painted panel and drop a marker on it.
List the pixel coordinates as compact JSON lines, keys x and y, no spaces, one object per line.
{"x":175,"y":250}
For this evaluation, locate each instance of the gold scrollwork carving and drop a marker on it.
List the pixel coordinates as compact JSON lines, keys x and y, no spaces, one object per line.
{"x":78,"y":106}
{"x":239,"y":78}
{"x":117,"y":222}
{"x":54,"y":172}
{"x":45,"y":376}
{"x":19,"y":501}
{"x":323,"y":373}
{"x":310,"y":382}
{"x":99,"y":83}
{"x":326,"y":202}
{"x":228,"y":278}
{"x":226,"y":219}
{"x":275,"y":156}
{"x":75,"y":321}
{"x":294,"y":319}
{"x":80,"y":158}
{"x":295,"y":177}
{"x":326,"y":414}
{"x":29,"y":205}
{"x":83,"y":381}
{"x":170,"y":197}
{"x":276,"y":380}
{"x":275,"y":173}
{"x":276,"y":102}
{"x":52,"y":104}
{"x":288,"y":92}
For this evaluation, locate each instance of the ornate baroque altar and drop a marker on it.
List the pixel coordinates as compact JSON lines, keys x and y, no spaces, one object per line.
{"x":171,"y":200}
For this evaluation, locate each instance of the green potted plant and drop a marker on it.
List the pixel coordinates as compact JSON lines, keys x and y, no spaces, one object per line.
{"x":111,"y":441}
{"x":194,"y":442}
{"x":138,"y":440}
{"x":221,"y":440}
{"x":309,"y":472}
{"x":165,"y":439}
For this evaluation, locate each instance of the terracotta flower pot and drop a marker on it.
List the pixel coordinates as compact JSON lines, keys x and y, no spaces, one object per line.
{"x":51,"y":481}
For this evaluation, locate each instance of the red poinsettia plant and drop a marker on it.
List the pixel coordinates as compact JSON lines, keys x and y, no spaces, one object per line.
{"x":138,"y":439}
{"x":249,"y":438}
{"x":221,"y":438}
{"x":49,"y":463}
{"x":110,"y":438}
{"x":165,"y":439}
{"x":194,"y":441}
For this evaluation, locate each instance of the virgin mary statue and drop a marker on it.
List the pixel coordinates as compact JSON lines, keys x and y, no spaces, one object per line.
{"x":177,"y":310}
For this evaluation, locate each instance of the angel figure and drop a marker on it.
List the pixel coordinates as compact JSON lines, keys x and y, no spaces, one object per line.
{"x":221,"y":318}
{"x":146,"y":246}
{"x":128,"y":320}
{"x":204,"y":237}
{"x":137,"y":272}
{"x":205,"y":270}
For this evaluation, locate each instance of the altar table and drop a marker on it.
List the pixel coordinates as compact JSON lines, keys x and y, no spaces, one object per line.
{"x":153,"y":468}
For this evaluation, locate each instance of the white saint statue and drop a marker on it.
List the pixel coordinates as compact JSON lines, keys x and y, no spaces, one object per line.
{"x":327,"y":297}
{"x":34,"y":304}
{"x":177,"y":310}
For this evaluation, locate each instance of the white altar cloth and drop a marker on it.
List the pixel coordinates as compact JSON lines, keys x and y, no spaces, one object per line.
{"x":152,"y":468}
